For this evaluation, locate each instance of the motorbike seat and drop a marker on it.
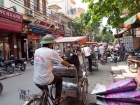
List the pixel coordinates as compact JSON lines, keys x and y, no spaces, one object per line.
{"x":8,"y":61}
{"x":133,"y":60}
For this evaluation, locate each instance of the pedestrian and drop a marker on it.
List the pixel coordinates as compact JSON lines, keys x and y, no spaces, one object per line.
{"x":68,"y":51}
{"x":101,"y":50}
{"x":44,"y":58}
{"x":121,"y":52}
{"x":87,"y":52}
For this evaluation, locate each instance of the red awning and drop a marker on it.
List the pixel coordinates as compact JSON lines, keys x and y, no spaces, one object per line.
{"x":80,"y":40}
{"x":94,"y":43}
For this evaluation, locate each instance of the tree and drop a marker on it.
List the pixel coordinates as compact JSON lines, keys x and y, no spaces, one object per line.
{"x":106,"y":36}
{"x":112,"y":10}
{"x":82,"y":27}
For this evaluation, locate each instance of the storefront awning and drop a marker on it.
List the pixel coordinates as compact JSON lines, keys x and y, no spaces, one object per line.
{"x":80,"y":40}
{"x":133,"y":22}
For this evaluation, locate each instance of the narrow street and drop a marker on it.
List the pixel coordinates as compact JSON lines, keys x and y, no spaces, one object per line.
{"x":25,"y":81}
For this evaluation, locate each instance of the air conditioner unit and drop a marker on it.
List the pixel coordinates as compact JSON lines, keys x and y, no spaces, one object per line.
{"x":30,"y":12}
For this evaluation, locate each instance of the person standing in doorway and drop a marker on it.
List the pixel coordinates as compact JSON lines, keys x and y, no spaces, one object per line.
{"x":30,"y":50}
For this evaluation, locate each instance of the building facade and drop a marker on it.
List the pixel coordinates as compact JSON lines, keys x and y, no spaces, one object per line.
{"x":36,"y":21}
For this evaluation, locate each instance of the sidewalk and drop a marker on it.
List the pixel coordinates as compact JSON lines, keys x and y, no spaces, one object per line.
{"x":125,"y":71}
{"x":5,"y":75}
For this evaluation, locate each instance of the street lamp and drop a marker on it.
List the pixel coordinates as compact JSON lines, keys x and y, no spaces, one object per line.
{"x":14,"y":8}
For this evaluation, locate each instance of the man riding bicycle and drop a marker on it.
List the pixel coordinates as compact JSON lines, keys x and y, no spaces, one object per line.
{"x":43,"y":66}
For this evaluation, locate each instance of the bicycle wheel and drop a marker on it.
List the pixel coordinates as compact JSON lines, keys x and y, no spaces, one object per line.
{"x":37,"y":101}
{"x":84,"y":91}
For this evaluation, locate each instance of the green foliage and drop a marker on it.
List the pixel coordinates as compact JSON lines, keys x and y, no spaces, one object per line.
{"x":112,"y":10}
{"x":98,"y":38}
{"x":83,"y":26}
{"x":105,"y":37}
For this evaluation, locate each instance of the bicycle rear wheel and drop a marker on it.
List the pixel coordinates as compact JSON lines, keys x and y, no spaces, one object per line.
{"x":37,"y":101}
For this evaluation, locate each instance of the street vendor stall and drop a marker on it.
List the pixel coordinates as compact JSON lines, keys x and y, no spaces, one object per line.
{"x":132,"y":42}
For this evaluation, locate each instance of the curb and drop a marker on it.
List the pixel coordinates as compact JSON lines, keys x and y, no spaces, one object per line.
{"x":9,"y":76}
{"x":12,"y":75}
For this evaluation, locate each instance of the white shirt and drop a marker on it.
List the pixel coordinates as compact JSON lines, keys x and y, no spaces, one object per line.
{"x":87,"y":51}
{"x":43,"y":65}
{"x":101,"y":49}
{"x":95,"y":48}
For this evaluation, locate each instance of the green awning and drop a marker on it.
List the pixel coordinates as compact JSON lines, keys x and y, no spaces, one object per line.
{"x":133,"y":22}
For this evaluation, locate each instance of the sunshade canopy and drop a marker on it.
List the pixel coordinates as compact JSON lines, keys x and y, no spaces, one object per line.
{"x":80,"y":40}
{"x":94,"y":43}
{"x":133,"y":22}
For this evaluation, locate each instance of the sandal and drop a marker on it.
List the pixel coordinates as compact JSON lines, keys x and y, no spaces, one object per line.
{"x":59,"y":100}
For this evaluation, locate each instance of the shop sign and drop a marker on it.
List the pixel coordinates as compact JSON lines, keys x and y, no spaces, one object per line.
{"x":10,"y":15}
{"x":10,"y":20}
{"x":137,"y":32}
{"x":42,"y":23}
{"x":55,"y":31}
{"x":37,"y":30}
{"x":10,"y":25}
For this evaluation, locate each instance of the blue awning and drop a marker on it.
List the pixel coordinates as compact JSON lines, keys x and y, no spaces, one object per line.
{"x":37,"y":30}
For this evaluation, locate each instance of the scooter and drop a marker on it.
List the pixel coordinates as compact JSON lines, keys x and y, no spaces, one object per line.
{"x":114,"y":56}
{"x":32,"y":60}
{"x":6,"y":65}
{"x":19,"y":63}
{"x":133,"y":65}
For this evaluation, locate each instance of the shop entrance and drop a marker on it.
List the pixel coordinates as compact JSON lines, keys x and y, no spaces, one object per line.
{"x":2,"y":48}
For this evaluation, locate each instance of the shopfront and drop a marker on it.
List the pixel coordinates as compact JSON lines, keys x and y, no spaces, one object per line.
{"x":34,"y":36}
{"x":10,"y":27}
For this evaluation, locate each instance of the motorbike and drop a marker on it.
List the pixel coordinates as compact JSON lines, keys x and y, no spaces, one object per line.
{"x":32,"y":60}
{"x":7,"y":65}
{"x":1,"y":88}
{"x":19,"y":63}
{"x":133,"y":65}
{"x":114,"y":56}
{"x":108,"y":53}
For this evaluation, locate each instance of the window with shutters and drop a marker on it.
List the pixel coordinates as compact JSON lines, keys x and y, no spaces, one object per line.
{"x":36,"y":5}
{"x":27,"y":3}
{"x":44,"y":6}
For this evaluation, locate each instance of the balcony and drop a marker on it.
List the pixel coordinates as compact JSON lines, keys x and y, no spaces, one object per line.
{"x":39,"y":10}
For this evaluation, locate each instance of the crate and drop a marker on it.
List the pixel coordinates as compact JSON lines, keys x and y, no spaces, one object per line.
{"x":65,"y":71}
{"x":70,"y":83}
{"x":70,"y":93}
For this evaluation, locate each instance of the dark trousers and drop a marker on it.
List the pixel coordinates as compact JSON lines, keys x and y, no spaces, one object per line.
{"x":121,"y":57}
{"x":58,"y":85}
{"x":90,"y":62}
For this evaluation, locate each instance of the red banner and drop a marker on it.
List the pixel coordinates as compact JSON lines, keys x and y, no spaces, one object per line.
{"x":10,"y":15}
{"x":10,"y":25}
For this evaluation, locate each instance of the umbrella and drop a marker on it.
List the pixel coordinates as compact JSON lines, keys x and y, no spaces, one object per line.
{"x":133,"y":22}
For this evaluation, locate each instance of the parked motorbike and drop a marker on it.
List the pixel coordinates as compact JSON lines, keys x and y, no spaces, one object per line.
{"x":114,"y":56}
{"x":129,"y":55}
{"x":19,"y":63}
{"x":1,"y":88}
{"x":7,"y":65}
{"x":133,"y":65}
{"x":32,"y":60}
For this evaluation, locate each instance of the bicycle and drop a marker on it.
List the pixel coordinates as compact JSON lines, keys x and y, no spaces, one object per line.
{"x":41,"y":99}
{"x":69,"y":75}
